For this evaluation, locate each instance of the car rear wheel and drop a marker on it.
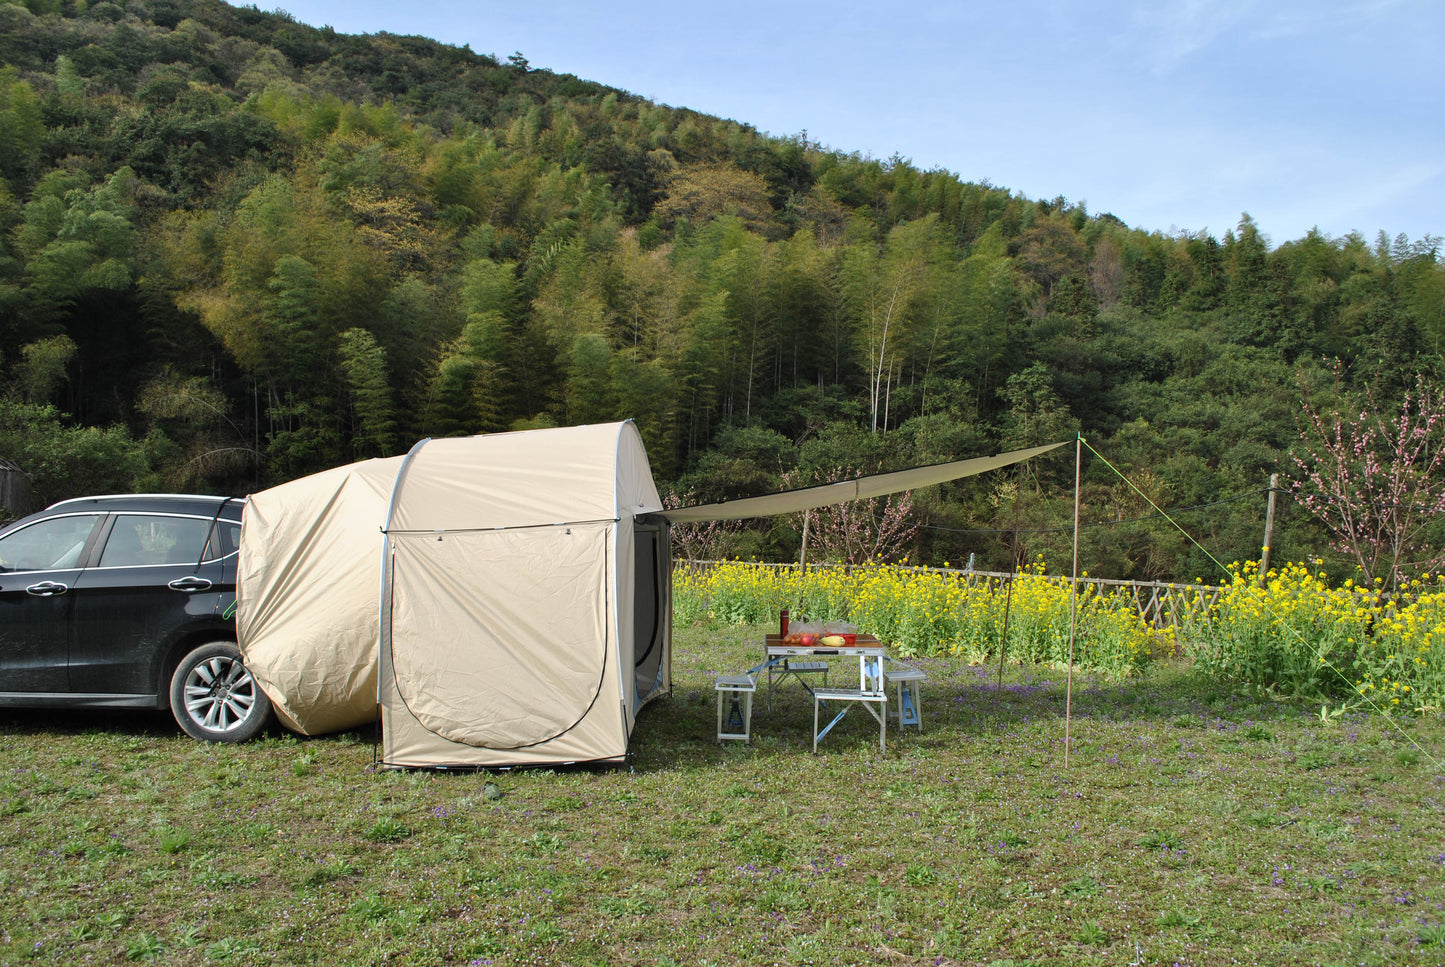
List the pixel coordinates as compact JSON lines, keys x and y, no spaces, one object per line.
{"x":214,"y":697}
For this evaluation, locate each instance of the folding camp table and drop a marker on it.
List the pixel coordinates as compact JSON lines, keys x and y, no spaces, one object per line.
{"x":870,"y":692}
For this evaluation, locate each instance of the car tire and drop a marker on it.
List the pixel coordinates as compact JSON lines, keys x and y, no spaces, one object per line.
{"x":214,"y":698}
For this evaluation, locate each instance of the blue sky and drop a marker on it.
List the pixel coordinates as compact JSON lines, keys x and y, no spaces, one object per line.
{"x":1174,"y":115}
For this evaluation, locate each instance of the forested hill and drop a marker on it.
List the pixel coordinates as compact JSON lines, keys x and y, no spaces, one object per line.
{"x":235,"y":249}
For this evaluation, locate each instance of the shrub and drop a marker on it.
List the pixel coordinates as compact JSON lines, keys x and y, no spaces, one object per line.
{"x":1296,"y":634}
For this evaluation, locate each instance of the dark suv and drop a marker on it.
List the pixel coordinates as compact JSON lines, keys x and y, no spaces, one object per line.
{"x":128,"y":602}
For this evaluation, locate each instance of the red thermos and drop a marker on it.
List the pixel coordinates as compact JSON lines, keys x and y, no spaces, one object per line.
{"x":783,"y":624}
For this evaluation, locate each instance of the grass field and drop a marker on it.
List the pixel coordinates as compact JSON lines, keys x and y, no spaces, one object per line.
{"x":1195,"y":825}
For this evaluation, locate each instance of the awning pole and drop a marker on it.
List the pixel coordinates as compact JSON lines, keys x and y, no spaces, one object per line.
{"x":1013,"y":573}
{"x":1073,"y":598}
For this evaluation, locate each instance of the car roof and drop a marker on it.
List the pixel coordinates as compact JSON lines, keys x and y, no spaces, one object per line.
{"x":154,"y":503}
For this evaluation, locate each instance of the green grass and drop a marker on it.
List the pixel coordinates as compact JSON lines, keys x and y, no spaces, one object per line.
{"x":1194,"y":825}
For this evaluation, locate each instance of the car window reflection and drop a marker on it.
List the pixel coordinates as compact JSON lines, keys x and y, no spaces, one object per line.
{"x":47,"y":545}
{"x":139,"y":540}
{"x":225,"y":540}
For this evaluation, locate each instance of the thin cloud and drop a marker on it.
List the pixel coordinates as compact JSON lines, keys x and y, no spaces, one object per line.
{"x":1285,"y":21}
{"x":1170,"y":33}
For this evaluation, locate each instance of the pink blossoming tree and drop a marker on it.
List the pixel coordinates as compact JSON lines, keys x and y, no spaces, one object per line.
{"x":857,"y":531}
{"x":708,"y":540}
{"x":1374,"y":475}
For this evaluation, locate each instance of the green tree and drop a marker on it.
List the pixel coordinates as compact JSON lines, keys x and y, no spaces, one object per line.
{"x":644,"y":392}
{"x":885,"y":289}
{"x":75,"y":239}
{"x":363,"y":360}
{"x":490,"y":339}
{"x":42,"y":368}
{"x":991,"y":317}
{"x":1049,"y":252}
{"x":292,"y":322}
{"x":588,"y":382}
{"x":1036,"y":414}
{"x":700,"y":368}
{"x":21,"y":126}
{"x":193,"y":414}
{"x":449,"y":408}
{"x":65,"y":460}
{"x":703,"y":192}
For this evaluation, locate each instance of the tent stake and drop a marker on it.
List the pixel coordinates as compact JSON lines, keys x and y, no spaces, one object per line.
{"x":1073,"y":598}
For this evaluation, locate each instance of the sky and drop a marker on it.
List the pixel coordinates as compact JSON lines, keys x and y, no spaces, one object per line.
{"x":1172,"y":115}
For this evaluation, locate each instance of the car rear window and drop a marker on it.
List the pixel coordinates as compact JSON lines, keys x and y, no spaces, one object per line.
{"x":141,"y":539}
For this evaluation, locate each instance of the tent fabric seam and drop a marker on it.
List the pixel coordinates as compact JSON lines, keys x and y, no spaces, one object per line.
{"x":410,"y":532}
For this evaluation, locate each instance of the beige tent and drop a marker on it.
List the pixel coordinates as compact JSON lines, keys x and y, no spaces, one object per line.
{"x":497,"y":600}
{"x":505,"y":599}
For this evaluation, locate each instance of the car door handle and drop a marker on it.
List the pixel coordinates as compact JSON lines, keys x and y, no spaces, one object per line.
{"x":46,"y":589}
{"x":189,"y":584}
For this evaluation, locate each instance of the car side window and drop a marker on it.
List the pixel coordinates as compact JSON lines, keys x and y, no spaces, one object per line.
{"x":225,"y":539}
{"x":141,"y":539}
{"x":47,"y":545}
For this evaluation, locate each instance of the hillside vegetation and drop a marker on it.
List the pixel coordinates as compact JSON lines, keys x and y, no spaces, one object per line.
{"x":235,"y":249}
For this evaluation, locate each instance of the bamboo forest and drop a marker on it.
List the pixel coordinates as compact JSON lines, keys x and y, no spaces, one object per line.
{"x":236,"y":249}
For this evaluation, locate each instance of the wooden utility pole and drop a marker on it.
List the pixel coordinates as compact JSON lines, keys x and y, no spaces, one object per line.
{"x":1268,"y":530}
{"x":803,"y":557}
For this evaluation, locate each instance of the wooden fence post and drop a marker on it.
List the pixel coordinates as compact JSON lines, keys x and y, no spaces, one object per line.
{"x":1268,"y":531}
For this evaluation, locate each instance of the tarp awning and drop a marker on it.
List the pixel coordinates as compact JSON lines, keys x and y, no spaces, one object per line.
{"x":874,"y":485}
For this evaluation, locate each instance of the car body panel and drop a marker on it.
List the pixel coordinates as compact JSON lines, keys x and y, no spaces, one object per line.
{"x":35,"y":631}
{"x":128,"y":607}
{"x":76,"y":700}
{"x":36,"y":599}
{"x":112,"y":636}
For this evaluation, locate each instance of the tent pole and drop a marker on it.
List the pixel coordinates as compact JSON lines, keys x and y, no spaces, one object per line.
{"x":1073,"y":599}
{"x":1003,"y":640}
{"x":1013,"y":573}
